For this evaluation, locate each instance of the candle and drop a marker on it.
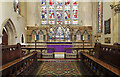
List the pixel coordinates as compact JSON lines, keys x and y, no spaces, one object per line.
{"x":83,"y":37}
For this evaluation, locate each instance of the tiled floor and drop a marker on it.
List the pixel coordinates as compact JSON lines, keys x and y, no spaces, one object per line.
{"x":62,"y":68}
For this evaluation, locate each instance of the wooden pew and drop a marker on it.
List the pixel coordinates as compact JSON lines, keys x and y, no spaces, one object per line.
{"x":21,"y":66}
{"x":99,"y":67}
{"x":109,"y":54}
{"x":10,"y":53}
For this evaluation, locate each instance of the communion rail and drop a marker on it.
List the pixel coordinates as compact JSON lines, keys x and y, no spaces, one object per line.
{"x":76,"y":51}
{"x":41,"y":54}
{"x":41,"y":51}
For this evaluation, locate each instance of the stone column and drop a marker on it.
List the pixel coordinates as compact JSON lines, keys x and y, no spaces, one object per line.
{"x":116,"y":28}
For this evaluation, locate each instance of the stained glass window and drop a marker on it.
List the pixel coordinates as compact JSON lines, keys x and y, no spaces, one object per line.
{"x":75,"y":12}
{"x":59,"y":11}
{"x":43,"y":12}
{"x":100,"y":17}
{"x":67,"y":12}
{"x":51,"y":12}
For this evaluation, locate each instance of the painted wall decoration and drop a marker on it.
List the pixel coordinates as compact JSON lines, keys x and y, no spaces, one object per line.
{"x":85,"y":35}
{"x":107,"y":40}
{"x":51,"y":34}
{"x":33,"y":36}
{"x":40,"y":35}
{"x":60,"y":32}
{"x":78,"y":35}
{"x":107,"y":25}
{"x":67,"y":33}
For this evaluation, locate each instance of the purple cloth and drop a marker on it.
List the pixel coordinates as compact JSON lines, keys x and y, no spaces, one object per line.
{"x":59,"y":48}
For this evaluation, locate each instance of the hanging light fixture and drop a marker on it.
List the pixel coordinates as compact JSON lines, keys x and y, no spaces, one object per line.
{"x":116,"y":8}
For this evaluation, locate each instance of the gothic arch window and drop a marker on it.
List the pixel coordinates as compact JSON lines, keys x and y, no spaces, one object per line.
{"x":59,"y":11}
{"x":44,"y":12}
{"x":51,"y":12}
{"x":17,"y":6}
{"x":55,"y":11}
{"x":78,"y":35}
{"x":75,"y":12}
{"x":67,"y":12}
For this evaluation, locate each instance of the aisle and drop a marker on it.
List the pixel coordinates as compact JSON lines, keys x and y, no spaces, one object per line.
{"x":58,"y":68}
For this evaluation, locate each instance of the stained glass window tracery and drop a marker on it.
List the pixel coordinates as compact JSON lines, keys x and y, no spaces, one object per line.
{"x":100,"y":17}
{"x":59,"y":10}
{"x":43,"y":12}
{"x":67,"y":12}
{"x":51,"y":12}
{"x":75,"y":12}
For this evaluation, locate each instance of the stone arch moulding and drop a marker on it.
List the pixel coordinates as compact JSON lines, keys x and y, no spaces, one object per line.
{"x":9,"y":27}
{"x":11,"y":24}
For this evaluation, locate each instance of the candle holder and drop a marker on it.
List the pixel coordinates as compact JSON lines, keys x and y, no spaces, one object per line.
{"x":83,"y":44}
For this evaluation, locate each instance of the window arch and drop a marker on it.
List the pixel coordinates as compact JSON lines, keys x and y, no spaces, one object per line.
{"x":55,"y":11}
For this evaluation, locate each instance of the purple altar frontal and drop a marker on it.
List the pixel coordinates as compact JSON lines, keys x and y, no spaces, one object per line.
{"x":59,"y":48}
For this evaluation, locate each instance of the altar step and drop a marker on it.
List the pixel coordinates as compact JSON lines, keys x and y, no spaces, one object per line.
{"x":58,"y":60}
{"x":59,"y":54}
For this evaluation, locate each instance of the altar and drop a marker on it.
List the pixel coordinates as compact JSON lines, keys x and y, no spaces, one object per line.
{"x":59,"y":48}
